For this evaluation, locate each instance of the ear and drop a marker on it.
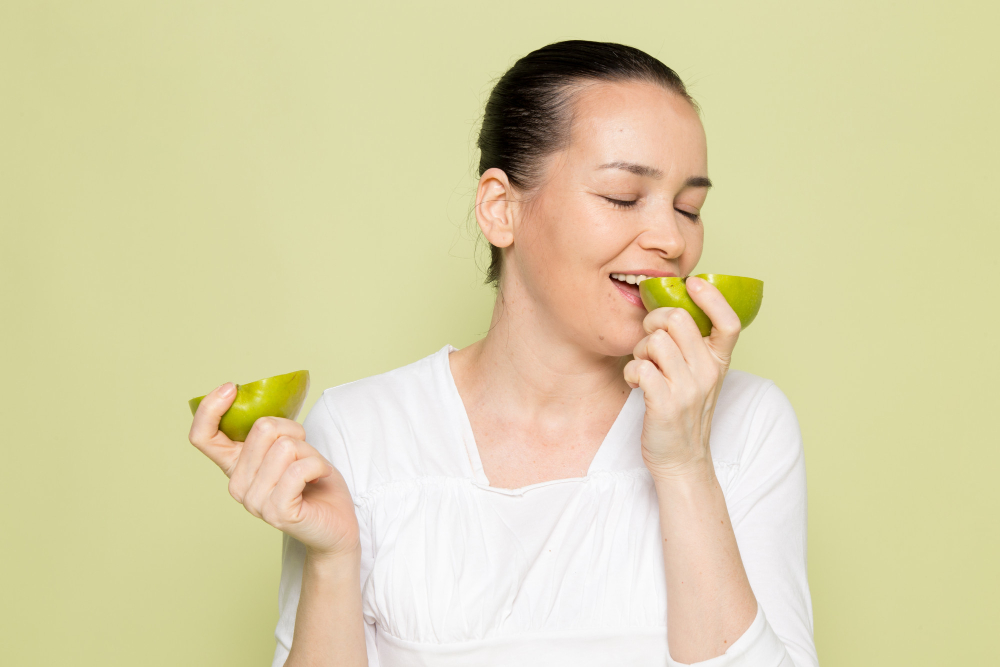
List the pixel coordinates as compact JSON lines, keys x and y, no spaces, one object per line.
{"x":495,"y":201}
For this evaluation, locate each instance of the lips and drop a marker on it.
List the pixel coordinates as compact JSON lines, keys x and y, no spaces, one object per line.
{"x":627,"y":284}
{"x":629,"y":291}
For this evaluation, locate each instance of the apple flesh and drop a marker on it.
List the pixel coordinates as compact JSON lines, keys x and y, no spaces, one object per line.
{"x":278,"y":396}
{"x":743,"y":294}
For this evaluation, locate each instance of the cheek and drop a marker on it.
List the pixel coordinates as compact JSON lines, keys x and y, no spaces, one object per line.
{"x":591,"y":235}
{"x":567,"y":239}
{"x":618,"y":325}
{"x":694,"y":239}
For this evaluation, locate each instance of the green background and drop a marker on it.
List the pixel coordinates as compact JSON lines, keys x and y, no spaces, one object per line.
{"x":195,"y":192}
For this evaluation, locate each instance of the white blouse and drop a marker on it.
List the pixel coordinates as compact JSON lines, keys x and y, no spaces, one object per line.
{"x":567,"y":572}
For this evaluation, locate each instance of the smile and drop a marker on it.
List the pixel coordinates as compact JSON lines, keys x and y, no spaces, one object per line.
{"x":631,"y":279}
{"x":628,"y":286}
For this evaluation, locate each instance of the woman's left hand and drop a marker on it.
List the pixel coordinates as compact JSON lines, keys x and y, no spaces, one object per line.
{"x":681,"y":375}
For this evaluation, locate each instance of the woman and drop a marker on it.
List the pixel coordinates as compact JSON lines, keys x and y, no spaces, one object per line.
{"x":587,"y":485}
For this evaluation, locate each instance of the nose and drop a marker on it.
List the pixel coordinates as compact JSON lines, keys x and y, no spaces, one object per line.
{"x":664,"y":237}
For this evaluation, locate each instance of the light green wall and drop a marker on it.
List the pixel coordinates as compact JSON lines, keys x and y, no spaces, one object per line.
{"x":194,"y":192}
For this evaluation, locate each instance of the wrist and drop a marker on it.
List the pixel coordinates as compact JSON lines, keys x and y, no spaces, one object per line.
{"x":696,"y":473}
{"x":334,"y":560}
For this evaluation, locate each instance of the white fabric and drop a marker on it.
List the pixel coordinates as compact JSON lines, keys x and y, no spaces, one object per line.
{"x":567,"y":572}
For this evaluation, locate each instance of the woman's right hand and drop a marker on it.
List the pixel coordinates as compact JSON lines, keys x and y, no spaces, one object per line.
{"x":280,"y":478}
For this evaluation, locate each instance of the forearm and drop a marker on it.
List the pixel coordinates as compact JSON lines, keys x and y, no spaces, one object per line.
{"x":709,"y":600}
{"x":329,"y":627}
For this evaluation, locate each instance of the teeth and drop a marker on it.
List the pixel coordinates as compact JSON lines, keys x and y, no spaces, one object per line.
{"x":630,"y":278}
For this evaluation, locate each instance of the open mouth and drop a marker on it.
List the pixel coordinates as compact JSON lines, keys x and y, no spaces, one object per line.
{"x":628,"y":286}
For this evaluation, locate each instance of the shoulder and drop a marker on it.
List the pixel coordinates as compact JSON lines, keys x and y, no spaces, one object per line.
{"x":400,"y":390}
{"x":391,"y":426}
{"x":740,"y":386}
{"x":753,"y":413}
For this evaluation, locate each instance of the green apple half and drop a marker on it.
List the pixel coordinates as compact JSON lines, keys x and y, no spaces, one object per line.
{"x":743,"y":294}
{"x":278,"y":396}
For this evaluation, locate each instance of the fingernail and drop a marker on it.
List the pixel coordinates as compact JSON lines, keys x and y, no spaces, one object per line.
{"x":694,"y":286}
{"x":226,"y":389}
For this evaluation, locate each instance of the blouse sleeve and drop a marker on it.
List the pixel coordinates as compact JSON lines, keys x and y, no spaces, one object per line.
{"x":767,"y":506}
{"x":323,"y":433}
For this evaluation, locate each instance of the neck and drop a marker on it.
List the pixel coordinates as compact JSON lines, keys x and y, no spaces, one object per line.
{"x":532,"y":366}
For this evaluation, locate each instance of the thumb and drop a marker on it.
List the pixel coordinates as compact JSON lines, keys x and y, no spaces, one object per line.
{"x":205,"y":434}
{"x":725,"y":321}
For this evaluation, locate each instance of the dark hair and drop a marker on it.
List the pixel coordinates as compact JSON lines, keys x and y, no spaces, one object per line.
{"x":526,"y":115}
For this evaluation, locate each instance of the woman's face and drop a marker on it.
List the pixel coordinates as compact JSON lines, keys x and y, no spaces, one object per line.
{"x":623,"y":199}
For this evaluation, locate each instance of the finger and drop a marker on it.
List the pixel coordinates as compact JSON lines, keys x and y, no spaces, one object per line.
{"x":264,"y":432}
{"x":205,"y":425}
{"x":644,"y":374}
{"x":280,"y":455}
{"x":657,"y":319}
{"x":725,"y":321}
{"x":683,"y":329}
{"x":205,"y":433}
{"x":286,"y":497}
{"x":660,"y":348}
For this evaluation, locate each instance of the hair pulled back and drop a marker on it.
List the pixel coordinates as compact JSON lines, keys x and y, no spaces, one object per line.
{"x":527,"y":114}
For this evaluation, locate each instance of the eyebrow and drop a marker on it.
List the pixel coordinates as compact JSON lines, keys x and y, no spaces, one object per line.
{"x":653,"y":172}
{"x":698,"y":182}
{"x":632,"y":167}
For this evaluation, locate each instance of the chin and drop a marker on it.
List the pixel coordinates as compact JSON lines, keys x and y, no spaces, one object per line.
{"x":621,"y":341}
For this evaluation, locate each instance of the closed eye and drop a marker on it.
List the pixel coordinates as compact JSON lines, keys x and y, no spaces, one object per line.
{"x":689,"y":215}
{"x":622,"y":203}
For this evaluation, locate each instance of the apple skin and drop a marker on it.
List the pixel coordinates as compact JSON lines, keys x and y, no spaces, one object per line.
{"x":743,"y":294}
{"x":278,"y":396}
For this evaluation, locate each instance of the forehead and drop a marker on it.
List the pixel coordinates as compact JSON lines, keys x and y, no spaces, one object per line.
{"x":637,"y":122}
